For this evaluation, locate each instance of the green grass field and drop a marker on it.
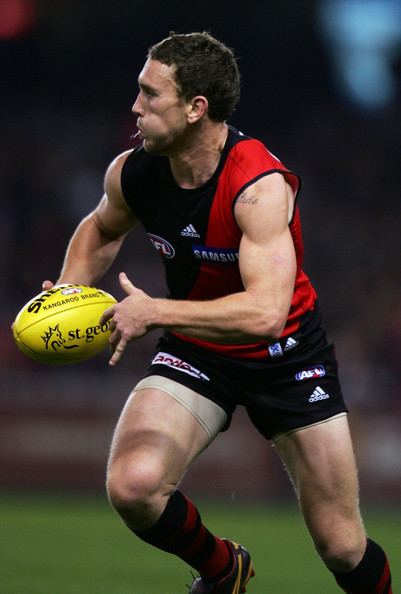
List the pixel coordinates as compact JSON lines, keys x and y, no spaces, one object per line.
{"x":60,"y":545}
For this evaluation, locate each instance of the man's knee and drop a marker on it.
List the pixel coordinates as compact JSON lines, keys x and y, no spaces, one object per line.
{"x":135,"y":489}
{"x":341,"y":553}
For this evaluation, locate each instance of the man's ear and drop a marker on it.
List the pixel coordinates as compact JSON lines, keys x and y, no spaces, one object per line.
{"x":197,"y":108}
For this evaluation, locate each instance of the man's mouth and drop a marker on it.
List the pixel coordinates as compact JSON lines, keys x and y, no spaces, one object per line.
{"x":139,"y":134}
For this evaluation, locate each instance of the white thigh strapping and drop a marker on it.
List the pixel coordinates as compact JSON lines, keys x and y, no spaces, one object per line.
{"x":208,"y":414}
{"x":279,"y":436}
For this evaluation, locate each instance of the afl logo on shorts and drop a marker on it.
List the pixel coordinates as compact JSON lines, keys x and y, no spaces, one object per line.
{"x":164,"y":248}
{"x":310,"y":373}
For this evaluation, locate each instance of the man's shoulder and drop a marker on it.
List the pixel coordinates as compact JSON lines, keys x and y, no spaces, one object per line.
{"x":140,"y":172}
{"x":138,"y":157}
{"x":250,"y":155}
{"x":139,"y":164}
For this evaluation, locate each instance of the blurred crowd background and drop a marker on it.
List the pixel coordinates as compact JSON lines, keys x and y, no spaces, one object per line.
{"x":321,"y":86}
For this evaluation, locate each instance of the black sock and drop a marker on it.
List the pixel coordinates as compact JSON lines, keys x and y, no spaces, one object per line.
{"x":371,"y":576}
{"x":180,"y":531}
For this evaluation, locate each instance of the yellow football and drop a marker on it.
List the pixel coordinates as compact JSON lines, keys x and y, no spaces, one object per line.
{"x":61,"y":326}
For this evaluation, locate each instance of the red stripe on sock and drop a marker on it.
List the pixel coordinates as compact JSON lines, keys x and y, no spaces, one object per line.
{"x":191,"y":517}
{"x":384,"y":583}
{"x":221,"y":556}
{"x":197,"y":543}
{"x":220,"y":560}
{"x":180,"y":531}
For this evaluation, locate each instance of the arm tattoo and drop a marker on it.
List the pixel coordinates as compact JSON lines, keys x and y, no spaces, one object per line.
{"x":245,"y":198}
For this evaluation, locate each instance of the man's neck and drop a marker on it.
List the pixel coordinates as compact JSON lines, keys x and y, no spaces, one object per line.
{"x":197,"y":162}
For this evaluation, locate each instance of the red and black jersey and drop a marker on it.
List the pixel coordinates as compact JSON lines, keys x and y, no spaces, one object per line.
{"x":197,"y":236}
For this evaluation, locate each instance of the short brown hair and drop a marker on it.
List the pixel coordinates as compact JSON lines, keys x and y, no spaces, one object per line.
{"x":203,"y":66}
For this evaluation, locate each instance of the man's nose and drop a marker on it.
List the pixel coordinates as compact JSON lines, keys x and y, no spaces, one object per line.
{"x":136,"y":108}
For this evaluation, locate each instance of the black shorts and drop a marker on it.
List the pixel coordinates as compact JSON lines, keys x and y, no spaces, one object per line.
{"x":282,"y":393}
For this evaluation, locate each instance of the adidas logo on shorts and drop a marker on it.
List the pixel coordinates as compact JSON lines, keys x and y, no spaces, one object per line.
{"x":290,"y":343}
{"x":318,"y":394}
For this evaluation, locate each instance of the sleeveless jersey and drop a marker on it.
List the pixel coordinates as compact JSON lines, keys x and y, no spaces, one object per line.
{"x":197,"y":236}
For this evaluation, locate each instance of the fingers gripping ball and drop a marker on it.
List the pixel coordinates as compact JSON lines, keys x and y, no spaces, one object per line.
{"x":61,"y":326}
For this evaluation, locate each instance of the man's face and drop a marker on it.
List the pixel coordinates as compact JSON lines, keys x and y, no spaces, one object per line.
{"x":162,"y":114}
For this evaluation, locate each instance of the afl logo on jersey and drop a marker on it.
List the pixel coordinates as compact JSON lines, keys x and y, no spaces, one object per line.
{"x":164,"y":248}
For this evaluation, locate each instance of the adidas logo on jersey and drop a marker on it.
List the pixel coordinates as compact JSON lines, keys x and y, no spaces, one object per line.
{"x":318,"y":394}
{"x":190,"y":231}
